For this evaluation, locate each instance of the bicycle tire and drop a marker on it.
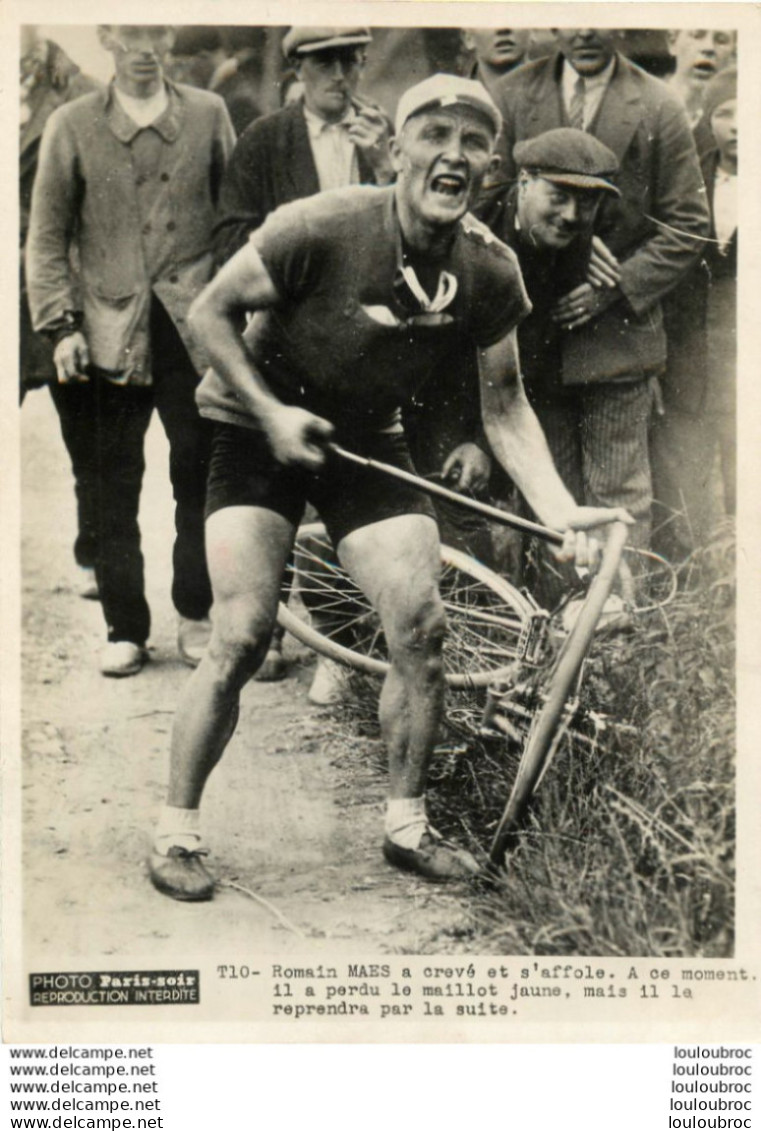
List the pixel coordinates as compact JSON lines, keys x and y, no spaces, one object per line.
{"x":471,"y":592}
{"x":564,"y":676}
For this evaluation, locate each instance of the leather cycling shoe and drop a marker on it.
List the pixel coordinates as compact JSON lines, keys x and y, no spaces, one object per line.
{"x":434,"y":858}
{"x":181,"y":874}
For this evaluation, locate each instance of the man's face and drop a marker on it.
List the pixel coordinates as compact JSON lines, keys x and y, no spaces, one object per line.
{"x":700,"y":54}
{"x":501,"y":49}
{"x":724,"y":129}
{"x":552,"y":215}
{"x":138,"y":52}
{"x":330,"y":80}
{"x":441,"y":158}
{"x":588,"y":50}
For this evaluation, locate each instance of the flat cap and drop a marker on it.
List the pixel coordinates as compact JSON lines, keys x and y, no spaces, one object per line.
{"x":440,"y":91}
{"x":307,"y":40}
{"x":569,"y":157}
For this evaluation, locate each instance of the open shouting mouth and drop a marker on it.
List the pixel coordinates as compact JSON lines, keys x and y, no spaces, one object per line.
{"x":449,"y":184}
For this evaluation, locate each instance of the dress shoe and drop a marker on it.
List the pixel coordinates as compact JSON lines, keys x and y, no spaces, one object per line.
{"x":181,"y":874}
{"x":122,"y":657}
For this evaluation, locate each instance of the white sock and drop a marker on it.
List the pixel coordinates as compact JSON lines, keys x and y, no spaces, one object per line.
{"x":405,"y":820}
{"x":181,"y":827}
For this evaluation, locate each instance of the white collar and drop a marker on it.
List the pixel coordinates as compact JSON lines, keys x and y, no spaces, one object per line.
{"x":317,"y":125}
{"x":143,"y":111}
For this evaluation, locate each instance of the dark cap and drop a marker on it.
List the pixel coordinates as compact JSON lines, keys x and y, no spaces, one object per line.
{"x":569,"y":157}
{"x":299,"y":41}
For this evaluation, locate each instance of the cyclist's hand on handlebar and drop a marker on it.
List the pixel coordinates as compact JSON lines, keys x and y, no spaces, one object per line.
{"x":298,"y":437}
{"x":580,"y":545}
{"x":467,"y":468}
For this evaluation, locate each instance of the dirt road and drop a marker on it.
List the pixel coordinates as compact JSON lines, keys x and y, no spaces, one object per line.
{"x":287,"y":813}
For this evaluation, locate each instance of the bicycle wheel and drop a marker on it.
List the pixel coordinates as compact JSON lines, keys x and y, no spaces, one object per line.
{"x":563,"y":679}
{"x":490,"y":623}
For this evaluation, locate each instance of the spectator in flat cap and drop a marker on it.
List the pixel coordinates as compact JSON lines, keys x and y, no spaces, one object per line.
{"x":328,"y":138}
{"x":614,"y":344}
{"x":547,"y":217}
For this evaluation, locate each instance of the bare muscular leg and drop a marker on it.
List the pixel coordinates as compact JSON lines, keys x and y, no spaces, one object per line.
{"x":246,"y":549}
{"x":396,"y":563}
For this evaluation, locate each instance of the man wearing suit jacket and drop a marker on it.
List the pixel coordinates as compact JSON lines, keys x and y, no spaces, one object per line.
{"x":330,"y":138}
{"x":614,"y":342}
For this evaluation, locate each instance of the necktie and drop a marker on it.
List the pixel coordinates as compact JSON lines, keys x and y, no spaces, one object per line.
{"x":576,"y":109}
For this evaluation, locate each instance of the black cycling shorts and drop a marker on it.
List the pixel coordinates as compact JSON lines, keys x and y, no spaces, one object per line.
{"x":244,"y":473}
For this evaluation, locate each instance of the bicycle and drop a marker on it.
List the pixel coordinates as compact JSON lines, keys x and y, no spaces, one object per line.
{"x":498,"y":638}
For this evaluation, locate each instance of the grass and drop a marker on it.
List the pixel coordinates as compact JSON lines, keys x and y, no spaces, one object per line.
{"x":628,"y":848}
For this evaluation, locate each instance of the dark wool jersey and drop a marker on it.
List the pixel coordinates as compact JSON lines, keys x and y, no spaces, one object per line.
{"x":347,"y":339}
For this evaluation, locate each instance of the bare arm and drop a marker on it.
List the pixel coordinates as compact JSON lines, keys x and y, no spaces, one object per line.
{"x":519,"y":444}
{"x":243,"y":285}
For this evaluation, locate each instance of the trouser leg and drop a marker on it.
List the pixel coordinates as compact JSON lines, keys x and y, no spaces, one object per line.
{"x":74,"y":407}
{"x":189,"y":438}
{"x":615,"y":451}
{"x":120,"y":421}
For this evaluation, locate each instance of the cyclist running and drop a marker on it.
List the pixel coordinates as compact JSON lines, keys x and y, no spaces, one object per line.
{"x":360,"y":295}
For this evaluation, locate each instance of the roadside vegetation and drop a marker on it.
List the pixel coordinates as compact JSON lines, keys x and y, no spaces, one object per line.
{"x":629,"y":846}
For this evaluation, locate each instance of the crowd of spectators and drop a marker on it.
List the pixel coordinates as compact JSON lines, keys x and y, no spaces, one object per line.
{"x":131,"y":200}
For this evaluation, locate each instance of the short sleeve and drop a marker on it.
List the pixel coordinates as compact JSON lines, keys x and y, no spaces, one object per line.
{"x":287,"y":249}
{"x":500,"y":300}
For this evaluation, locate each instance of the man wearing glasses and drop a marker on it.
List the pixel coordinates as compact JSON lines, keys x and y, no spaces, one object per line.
{"x":359,"y":296}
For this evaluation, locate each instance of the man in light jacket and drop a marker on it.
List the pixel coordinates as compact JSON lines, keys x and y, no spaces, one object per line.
{"x":128,"y":181}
